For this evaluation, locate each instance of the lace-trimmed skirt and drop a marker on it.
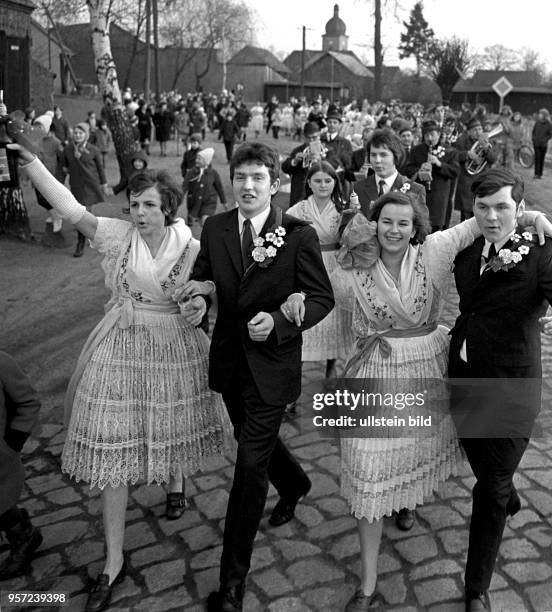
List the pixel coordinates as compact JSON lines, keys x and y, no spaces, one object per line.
{"x":382,"y":475}
{"x":143,"y":407}
{"x":332,"y":338}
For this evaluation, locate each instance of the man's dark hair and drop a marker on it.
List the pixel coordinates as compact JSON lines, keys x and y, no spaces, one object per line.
{"x":388,"y":139}
{"x":256,"y":153}
{"x":420,"y":217}
{"x":492,"y":180}
{"x":167,"y":187}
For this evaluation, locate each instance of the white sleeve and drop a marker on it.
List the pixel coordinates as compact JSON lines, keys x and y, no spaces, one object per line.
{"x":57,"y":194}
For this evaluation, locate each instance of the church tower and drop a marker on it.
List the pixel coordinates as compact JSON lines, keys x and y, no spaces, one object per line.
{"x":335,"y":39}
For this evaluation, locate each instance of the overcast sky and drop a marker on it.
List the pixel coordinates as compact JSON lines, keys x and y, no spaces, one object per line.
{"x":482,"y":22}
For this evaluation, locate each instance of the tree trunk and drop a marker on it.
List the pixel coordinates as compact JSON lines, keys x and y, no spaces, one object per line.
{"x":378,"y":57}
{"x":106,"y":73}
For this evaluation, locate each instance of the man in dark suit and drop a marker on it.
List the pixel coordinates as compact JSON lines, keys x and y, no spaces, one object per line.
{"x":19,"y":408}
{"x":385,"y":154}
{"x":341,"y":147}
{"x":255,"y":356}
{"x":496,"y":338}
{"x":435,"y":167}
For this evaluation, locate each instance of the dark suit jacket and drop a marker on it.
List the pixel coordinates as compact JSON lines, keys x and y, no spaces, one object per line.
{"x":275,"y":363}
{"x":367,"y":190}
{"x":499,"y":312}
{"x":341,"y":148}
{"x":437,"y":198}
{"x":19,"y":406}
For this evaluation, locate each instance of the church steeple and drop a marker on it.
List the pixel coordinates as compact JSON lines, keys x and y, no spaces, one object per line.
{"x":335,"y":38}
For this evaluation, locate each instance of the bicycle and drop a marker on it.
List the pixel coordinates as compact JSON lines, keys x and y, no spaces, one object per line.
{"x":526,"y":155}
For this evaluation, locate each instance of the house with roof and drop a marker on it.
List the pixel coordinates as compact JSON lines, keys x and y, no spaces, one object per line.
{"x":251,"y":67}
{"x":527,"y":96}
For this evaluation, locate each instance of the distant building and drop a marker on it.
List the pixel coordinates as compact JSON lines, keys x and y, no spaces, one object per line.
{"x":50,"y":54}
{"x":527,"y":96}
{"x":333,"y":72}
{"x":15,"y":52}
{"x":251,"y":68}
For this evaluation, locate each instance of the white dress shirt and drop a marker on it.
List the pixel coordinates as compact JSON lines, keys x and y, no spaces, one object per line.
{"x":388,"y":181}
{"x":257,"y":222}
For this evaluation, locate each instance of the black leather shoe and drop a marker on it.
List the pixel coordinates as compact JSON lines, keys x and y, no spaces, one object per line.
{"x":176,"y":504}
{"x":284,"y":510}
{"x":514,"y":503}
{"x":405,"y":519}
{"x":477,"y":601}
{"x":100,"y":593}
{"x":227,"y":599}
{"x":360,"y":602}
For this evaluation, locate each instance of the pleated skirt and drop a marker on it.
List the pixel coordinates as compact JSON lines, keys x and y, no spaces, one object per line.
{"x":143,"y":407}
{"x":383,"y":475}
{"x":332,"y":338}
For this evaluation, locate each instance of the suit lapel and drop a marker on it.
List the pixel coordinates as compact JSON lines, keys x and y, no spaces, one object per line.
{"x":231,"y":238}
{"x":397,"y":183}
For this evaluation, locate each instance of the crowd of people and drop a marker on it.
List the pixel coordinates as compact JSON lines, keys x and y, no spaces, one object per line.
{"x":353,"y":273}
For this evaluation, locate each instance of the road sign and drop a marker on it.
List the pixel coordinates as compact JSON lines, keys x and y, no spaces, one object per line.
{"x":502,"y":88}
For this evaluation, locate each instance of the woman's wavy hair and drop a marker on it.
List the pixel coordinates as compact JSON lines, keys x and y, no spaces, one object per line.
{"x":327,"y":168}
{"x":420,"y":220}
{"x":167,"y":188}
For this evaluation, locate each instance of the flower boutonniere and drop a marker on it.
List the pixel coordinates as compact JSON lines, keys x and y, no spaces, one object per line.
{"x":405,"y":188}
{"x":265,"y":249}
{"x":508,"y":258}
{"x":438,"y":151}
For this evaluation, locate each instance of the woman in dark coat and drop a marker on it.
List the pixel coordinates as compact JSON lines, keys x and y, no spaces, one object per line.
{"x":83,"y":163}
{"x":542,"y":132}
{"x":145,"y":122}
{"x":163,"y":121}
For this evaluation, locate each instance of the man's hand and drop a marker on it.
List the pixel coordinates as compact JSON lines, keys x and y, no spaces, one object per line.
{"x":546,"y":325}
{"x":193,"y":310}
{"x":293,"y":308}
{"x":260,"y":326}
{"x":191,"y":289}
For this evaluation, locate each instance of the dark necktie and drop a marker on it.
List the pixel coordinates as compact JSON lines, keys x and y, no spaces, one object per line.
{"x":247,"y":244}
{"x":491,"y":254}
{"x":381,"y":190}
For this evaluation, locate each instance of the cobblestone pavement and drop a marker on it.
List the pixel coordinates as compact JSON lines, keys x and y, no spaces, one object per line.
{"x":310,"y":564}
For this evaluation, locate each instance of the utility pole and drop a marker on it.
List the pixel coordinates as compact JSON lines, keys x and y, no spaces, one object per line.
{"x":147,"y":86}
{"x":156,"y":52}
{"x":223,"y":59}
{"x":303,"y":62}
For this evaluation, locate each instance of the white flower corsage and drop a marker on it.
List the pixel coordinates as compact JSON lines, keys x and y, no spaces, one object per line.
{"x":405,"y":188}
{"x":508,"y":258}
{"x":266,"y":249}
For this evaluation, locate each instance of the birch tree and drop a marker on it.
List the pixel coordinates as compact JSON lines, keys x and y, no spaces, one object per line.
{"x":106,"y":73}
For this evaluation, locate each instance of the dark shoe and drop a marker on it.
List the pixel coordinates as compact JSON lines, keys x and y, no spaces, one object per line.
{"x":100,"y":593}
{"x":514,"y":503}
{"x":477,"y":602}
{"x":176,"y":504}
{"x":284,"y":510}
{"x":24,"y":539}
{"x":405,"y":519}
{"x":80,"y":245}
{"x":360,"y":602}
{"x":227,"y":599}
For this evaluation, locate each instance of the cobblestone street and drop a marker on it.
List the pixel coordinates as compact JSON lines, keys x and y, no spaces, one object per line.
{"x":311,"y":563}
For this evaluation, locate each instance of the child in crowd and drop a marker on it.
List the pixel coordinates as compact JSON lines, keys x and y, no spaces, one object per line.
{"x":203,"y":184}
